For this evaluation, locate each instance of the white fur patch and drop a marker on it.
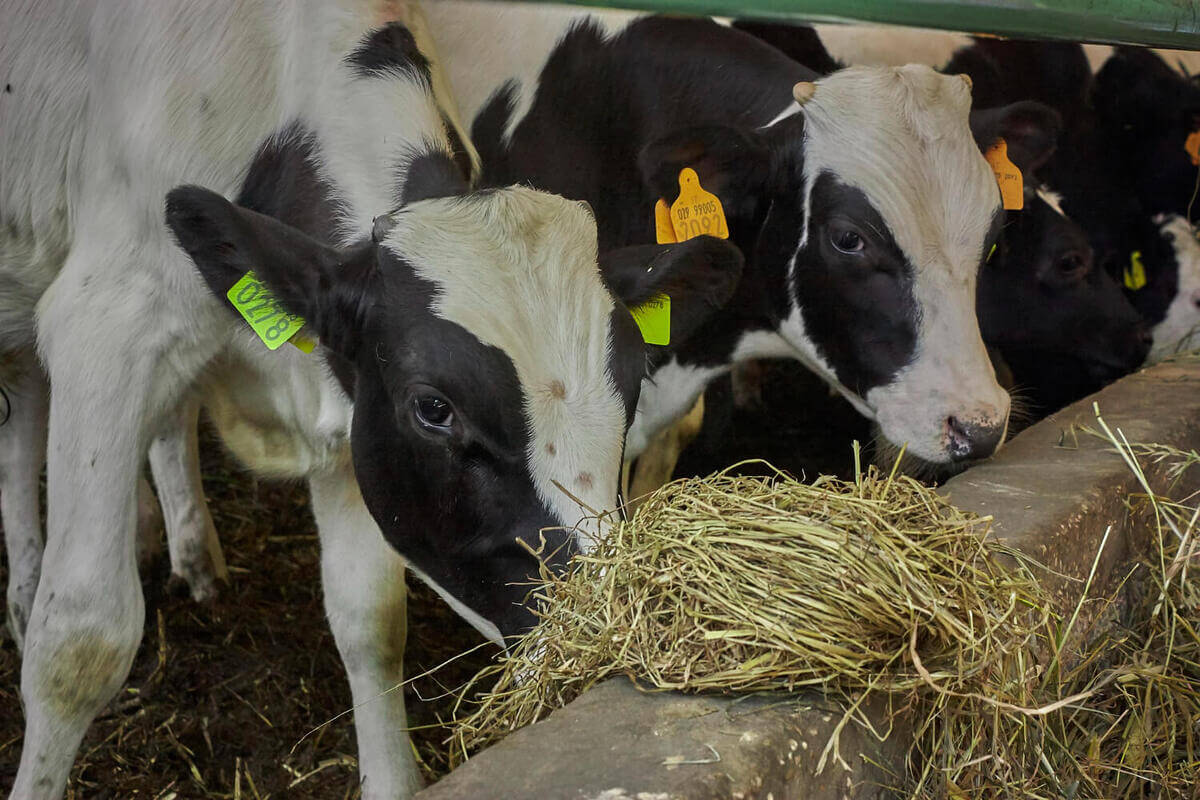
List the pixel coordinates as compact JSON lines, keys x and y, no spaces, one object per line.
{"x":517,"y":268}
{"x":1179,"y":331}
{"x":901,"y":136}
{"x":666,"y":396}
{"x":1052,"y":199}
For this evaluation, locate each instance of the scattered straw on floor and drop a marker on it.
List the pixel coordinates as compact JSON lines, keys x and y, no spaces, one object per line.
{"x":737,"y":584}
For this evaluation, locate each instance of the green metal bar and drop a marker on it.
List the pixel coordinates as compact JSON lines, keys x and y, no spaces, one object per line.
{"x":1156,"y":23}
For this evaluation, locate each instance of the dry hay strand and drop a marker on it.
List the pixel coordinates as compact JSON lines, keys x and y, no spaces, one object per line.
{"x":741,"y":584}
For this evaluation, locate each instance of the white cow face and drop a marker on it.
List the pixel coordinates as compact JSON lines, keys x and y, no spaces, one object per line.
{"x":876,"y":202}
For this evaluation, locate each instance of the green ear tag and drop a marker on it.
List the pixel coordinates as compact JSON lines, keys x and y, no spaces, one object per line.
{"x":654,"y":319}
{"x":254,"y":301}
{"x":1135,"y":273}
{"x":991,"y":253}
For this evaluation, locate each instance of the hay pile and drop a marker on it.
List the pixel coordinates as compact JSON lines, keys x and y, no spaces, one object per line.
{"x":737,"y":584}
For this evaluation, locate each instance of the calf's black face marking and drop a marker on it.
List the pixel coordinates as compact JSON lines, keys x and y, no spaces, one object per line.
{"x":855,"y":288}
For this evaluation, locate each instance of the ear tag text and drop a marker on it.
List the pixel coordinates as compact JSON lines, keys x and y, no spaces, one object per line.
{"x":254,"y":301}
{"x":1008,"y":176}
{"x":653,"y":318}
{"x":696,"y":212}
{"x":1192,"y":146}
{"x":1135,"y":273}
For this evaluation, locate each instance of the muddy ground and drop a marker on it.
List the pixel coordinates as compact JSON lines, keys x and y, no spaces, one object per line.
{"x":223,"y":699}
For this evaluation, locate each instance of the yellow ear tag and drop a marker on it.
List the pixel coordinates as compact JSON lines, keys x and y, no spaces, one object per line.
{"x":1008,"y":177}
{"x":1192,"y":146}
{"x":1135,"y":273}
{"x":258,"y":306}
{"x":664,"y":232}
{"x":991,"y":253}
{"x":697,"y":212}
{"x":653,"y":317}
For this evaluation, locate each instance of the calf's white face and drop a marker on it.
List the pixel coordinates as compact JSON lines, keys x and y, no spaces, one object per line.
{"x":900,"y":202}
{"x":493,"y":373}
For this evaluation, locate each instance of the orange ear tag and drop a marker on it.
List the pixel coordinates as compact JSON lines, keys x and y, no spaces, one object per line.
{"x":696,"y":212}
{"x":1192,"y":146}
{"x":1008,"y":177}
{"x":664,"y":232}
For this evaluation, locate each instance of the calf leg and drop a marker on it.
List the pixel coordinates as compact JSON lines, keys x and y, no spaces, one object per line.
{"x":196,"y":557}
{"x":22,"y":456}
{"x":115,"y":359}
{"x":365,"y":599}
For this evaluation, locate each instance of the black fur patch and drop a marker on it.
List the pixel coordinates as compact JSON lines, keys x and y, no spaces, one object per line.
{"x":431,"y":174}
{"x":390,"y":50}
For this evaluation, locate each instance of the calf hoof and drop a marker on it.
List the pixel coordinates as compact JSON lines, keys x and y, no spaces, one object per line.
{"x":197,"y":578}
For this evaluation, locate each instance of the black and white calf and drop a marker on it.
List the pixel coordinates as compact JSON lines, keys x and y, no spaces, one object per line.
{"x":473,"y":363}
{"x":864,"y":215}
{"x":1121,"y":163}
{"x":1055,"y":316}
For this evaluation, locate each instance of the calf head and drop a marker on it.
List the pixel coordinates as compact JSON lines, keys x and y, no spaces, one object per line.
{"x":1041,"y":295}
{"x":1042,"y":299}
{"x":493,"y":374}
{"x":872,"y":210}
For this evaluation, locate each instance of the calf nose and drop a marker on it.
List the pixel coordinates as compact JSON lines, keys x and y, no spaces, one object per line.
{"x":973,"y":440}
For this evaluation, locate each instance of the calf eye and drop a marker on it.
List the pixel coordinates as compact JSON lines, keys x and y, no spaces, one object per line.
{"x":847,"y":241}
{"x":434,"y":413}
{"x":1072,"y":264}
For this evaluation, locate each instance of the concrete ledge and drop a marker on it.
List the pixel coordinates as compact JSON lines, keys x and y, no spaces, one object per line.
{"x":1053,"y":491}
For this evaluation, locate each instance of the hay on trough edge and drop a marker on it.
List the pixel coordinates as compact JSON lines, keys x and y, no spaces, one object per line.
{"x":879,"y":584}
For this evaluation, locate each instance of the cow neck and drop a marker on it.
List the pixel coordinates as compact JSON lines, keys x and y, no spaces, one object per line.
{"x":656,"y":77}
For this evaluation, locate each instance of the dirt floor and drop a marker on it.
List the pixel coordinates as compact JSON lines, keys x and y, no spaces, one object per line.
{"x":223,"y":699}
{"x":221,"y":696}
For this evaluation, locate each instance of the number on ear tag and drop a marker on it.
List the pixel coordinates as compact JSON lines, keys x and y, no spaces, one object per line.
{"x":254,"y":301}
{"x":697,"y":212}
{"x":1135,"y":273}
{"x":1008,"y":176}
{"x":653,"y":318}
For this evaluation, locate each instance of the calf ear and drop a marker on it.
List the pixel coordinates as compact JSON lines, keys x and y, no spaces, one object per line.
{"x":699,"y":275}
{"x":730,"y":163}
{"x":1030,"y":129}
{"x":308,"y":278}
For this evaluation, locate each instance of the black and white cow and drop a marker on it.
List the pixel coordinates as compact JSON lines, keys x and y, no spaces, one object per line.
{"x":864,"y":214}
{"x":1123,"y":170}
{"x":473,"y":363}
{"x":1058,"y":320}
{"x":1122,"y":161}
